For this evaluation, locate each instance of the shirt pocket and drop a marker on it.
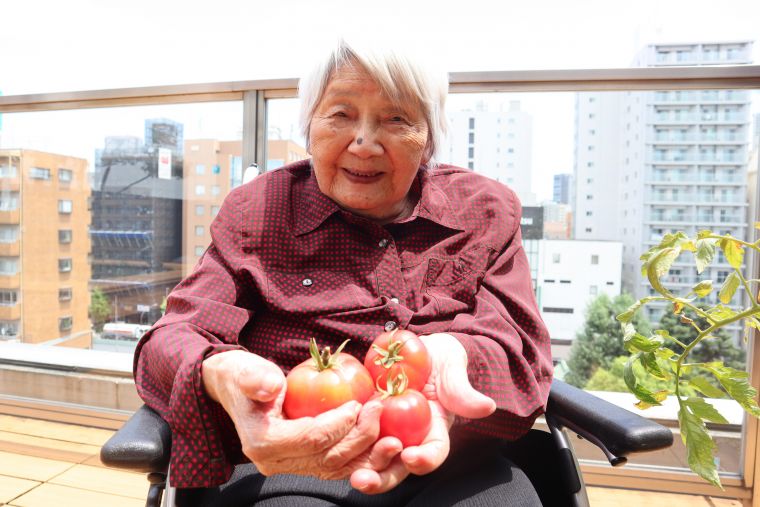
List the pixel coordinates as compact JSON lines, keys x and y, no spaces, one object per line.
{"x":314,"y":292}
{"x":454,"y":282}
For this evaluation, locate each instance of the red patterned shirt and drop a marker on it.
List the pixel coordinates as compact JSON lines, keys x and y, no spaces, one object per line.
{"x":286,"y":263}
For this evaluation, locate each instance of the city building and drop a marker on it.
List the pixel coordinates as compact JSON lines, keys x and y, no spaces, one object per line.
{"x":570,"y":274}
{"x":44,"y":220}
{"x":649,"y":163}
{"x":211,"y":169}
{"x":558,"y":220}
{"x":137,"y":220}
{"x":563,"y":185}
{"x":497,"y":144}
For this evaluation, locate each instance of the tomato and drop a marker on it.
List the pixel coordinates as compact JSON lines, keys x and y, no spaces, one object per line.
{"x":395,"y":352}
{"x":406,"y":414}
{"x":325,"y":381}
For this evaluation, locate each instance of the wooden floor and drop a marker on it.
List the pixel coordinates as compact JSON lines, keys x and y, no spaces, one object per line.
{"x":45,"y":464}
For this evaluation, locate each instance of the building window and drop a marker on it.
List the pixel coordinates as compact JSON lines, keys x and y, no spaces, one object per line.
{"x":200,"y":190}
{"x":588,"y":229}
{"x":64,"y":265}
{"x":589,"y":213}
{"x":593,"y":290}
{"x":65,"y":206}
{"x":200,"y":169}
{"x":65,"y":323}
{"x":200,"y":209}
{"x":594,"y":259}
{"x":472,"y":123}
{"x":8,"y":169}
{"x":216,"y":190}
{"x":554,"y":309}
{"x":589,"y":164}
{"x":9,"y":328}
{"x":64,"y":294}
{"x":590,"y":147}
{"x":555,"y":258}
{"x":199,"y":250}
{"x":8,"y":297}
{"x":214,"y":211}
{"x":589,"y":197}
{"x":471,"y":152}
{"x":470,"y":165}
{"x":8,"y":265}
{"x":564,"y":281}
{"x":471,"y":139}
{"x":39,"y":173}
{"x":65,"y":175}
{"x":549,"y":281}
{"x":8,"y":233}
{"x":199,"y":230}
{"x":64,"y":236}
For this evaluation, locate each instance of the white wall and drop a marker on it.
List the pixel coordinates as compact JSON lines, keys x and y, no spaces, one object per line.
{"x":567,"y":280}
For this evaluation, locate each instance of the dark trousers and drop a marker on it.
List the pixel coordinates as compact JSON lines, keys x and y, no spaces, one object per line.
{"x":476,"y":475}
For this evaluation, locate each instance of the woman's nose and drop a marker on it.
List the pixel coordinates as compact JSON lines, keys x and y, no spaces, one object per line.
{"x":365,"y":143}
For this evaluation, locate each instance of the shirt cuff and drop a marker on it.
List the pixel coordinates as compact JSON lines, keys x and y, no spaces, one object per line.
{"x":205,"y":445}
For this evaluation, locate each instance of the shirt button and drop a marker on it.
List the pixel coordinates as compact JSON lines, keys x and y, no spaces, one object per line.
{"x":383,"y":243}
{"x":307,"y":282}
{"x":394,"y":300}
{"x":390,"y":325}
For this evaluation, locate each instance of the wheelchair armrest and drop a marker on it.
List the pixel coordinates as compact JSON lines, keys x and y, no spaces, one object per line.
{"x":143,"y":444}
{"x":615,"y":430}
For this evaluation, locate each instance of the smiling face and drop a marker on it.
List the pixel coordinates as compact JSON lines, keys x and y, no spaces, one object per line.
{"x":365,"y":149}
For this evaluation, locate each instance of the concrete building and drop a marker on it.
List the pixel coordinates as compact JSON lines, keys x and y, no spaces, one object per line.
{"x":211,"y":169}
{"x":571,"y":273}
{"x":563,"y":185}
{"x":671,"y":160}
{"x":497,"y":144}
{"x":44,"y":221}
{"x":558,"y":220}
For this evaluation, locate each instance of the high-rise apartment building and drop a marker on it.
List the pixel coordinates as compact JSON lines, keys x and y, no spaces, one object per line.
{"x":672,"y":160}
{"x":563,"y":184}
{"x":497,"y":144}
{"x":211,"y":169}
{"x":44,"y":222}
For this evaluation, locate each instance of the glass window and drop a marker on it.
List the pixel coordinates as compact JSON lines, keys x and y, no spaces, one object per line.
{"x":594,"y":259}
{"x":64,"y":265}
{"x":39,"y":173}
{"x":8,"y":297}
{"x":65,"y":323}
{"x":199,"y":230}
{"x":200,"y":169}
{"x":214,"y":210}
{"x":200,"y":210}
{"x":65,"y":175}
{"x":64,"y":236}
{"x":200,"y":189}
{"x":216,"y":190}
{"x":199,"y":250}
{"x":64,"y":294}
{"x":8,"y":265}
{"x":8,"y":233}
{"x":65,"y":206}
{"x":9,"y":166}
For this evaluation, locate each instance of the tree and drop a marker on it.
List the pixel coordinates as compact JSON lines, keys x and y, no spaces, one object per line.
{"x":719,"y":347}
{"x":601,"y":339}
{"x":100,"y":309}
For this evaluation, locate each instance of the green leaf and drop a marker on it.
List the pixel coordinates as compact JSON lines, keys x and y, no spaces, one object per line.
{"x":703,"y":288}
{"x":640,"y":343}
{"x":733,"y":251}
{"x":704,"y":233}
{"x":757,"y":225}
{"x":627,"y":315}
{"x":699,"y":446}
{"x":658,"y":395}
{"x":719,"y":313}
{"x":700,"y":408}
{"x":736,"y":383}
{"x":704,"y":386}
{"x":705,"y":253}
{"x":641,"y":393}
{"x":659,"y":265}
{"x":649,"y":362}
{"x":729,"y":287}
{"x":665,"y":353}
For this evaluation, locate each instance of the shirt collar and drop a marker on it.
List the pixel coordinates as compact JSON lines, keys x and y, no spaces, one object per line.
{"x":312,"y":207}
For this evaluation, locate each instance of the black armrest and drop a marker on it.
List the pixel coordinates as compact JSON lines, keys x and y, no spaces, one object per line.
{"x":615,"y":430}
{"x":143,"y":444}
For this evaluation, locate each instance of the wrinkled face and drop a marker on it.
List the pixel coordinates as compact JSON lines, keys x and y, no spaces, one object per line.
{"x":365,"y":150}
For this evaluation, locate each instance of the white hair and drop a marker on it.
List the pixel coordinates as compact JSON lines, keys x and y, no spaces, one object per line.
{"x":400,"y":76}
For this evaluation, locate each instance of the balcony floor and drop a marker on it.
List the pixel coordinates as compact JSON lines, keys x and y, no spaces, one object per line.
{"x":46,"y":463}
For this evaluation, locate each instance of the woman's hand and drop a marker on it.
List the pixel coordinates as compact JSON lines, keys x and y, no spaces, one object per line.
{"x":449,"y":393}
{"x":329,"y":446}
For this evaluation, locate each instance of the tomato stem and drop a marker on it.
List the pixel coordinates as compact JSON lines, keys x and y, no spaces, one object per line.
{"x":324,"y":359}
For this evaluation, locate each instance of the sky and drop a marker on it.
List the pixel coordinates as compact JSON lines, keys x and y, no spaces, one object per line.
{"x":51,"y":46}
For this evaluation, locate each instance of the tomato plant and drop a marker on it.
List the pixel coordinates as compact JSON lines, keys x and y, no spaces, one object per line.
{"x":399,"y":351}
{"x":406,"y":413}
{"x":325,"y":381}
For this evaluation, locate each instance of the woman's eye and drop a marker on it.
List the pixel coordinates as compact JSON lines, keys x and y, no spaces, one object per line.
{"x":398,"y":119}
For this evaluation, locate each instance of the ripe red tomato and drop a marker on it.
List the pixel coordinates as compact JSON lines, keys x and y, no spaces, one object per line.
{"x":395,"y":352}
{"x":325,"y":381}
{"x":406,"y":415}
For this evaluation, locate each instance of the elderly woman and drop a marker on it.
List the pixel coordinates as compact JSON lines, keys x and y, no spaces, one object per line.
{"x":368,"y":235}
